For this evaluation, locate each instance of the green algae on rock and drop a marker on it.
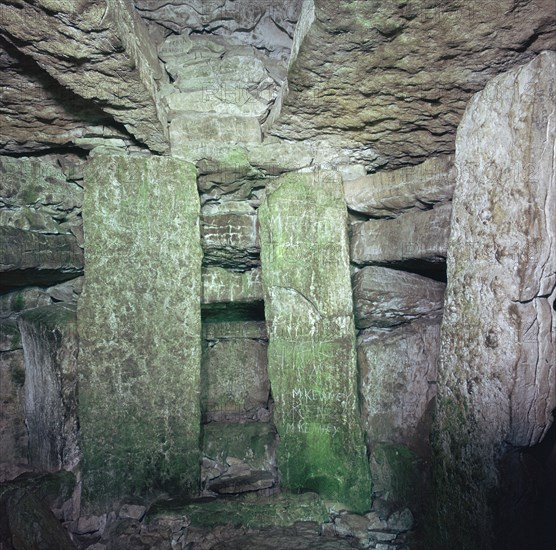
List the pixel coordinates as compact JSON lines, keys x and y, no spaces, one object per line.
{"x":312,"y":367}
{"x":140,"y":329}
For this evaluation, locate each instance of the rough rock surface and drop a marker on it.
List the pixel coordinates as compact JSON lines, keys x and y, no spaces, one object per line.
{"x":267,"y":26}
{"x":31,"y":100}
{"x":140,"y":329}
{"x":36,"y":195}
{"x":311,"y":355}
{"x":416,"y":235}
{"x":497,"y":376}
{"x":13,"y":432}
{"x":50,"y":346}
{"x":31,"y":257}
{"x":386,"y":297}
{"x":390,"y":80}
{"x":388,"y":194}
{"x":109,"y":58}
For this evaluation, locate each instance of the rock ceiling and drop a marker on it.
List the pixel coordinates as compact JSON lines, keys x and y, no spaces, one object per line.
{"x":386,"y":81}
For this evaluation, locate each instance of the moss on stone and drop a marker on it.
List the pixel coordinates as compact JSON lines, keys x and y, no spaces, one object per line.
{"x":247,"y":510}
{"x":312,"y":368}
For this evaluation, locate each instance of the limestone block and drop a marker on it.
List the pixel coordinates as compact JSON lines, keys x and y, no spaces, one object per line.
{"x":29,"y":257}
{"x":140,"y":329}
{"x":311,"y":356}
{"x":235,"y":383}
{"x":398,"y":382}
{"x":386,"y":297}
{"x":497,"y":375}
{"x":413,"y":236}
{"x":50,"y":345}
{"x":199,"y":128}
{"x":229,"y":235}
{"x":389,"y":194}
{"x":223,"y":286}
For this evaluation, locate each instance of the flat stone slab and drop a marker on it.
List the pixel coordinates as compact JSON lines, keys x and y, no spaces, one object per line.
{"x":386,"y":297}
{"x":390,"y":194}
{"x":140,"y":329}
{"x":311,"y":355}
{"x":224,"y":286}
{"x":420,"y":235}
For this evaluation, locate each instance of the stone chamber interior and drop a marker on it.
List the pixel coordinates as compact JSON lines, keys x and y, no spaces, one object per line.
{"x":277,"y":274}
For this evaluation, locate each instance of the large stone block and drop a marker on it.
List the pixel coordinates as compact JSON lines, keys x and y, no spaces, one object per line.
{"x":497,"y":375}
{"x":140,"y":329}
{"x":386,"y":297}
{"x":389,"y":194}
{"x":413,"y":236}
{"x":223,"y":286}
{"x":398,"y":382}
{"x":50,"y":345}
{"x":311,"y":356}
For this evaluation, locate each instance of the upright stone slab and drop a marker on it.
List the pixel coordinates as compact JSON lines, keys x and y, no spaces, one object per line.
{"x":497,"y":375}
{"x":140,"y":328}
{"x":311,"y":356}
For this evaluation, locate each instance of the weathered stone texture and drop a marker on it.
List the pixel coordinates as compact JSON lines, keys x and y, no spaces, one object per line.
{"x":388,"y":194}
{"x":413,"y":236}
{"x":31,"y":100}
{"x":311,"y":356}
{"x":50,"y":345}
{"x":13,"y":432}
{"x":35,"y":195}
{"x":497,"y":379}
{"x":109,"y":58}
{"x":390,"y":80}
{"x":386,"y":297}
{"x":267,"y":26}
{"x":223,"y":286}
{"x":140,"y":329}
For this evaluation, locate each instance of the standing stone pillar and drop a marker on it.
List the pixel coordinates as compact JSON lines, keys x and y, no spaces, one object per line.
{"x":140,"y":329}
{"x":497,"y":376}
{"x":311,"y":355}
